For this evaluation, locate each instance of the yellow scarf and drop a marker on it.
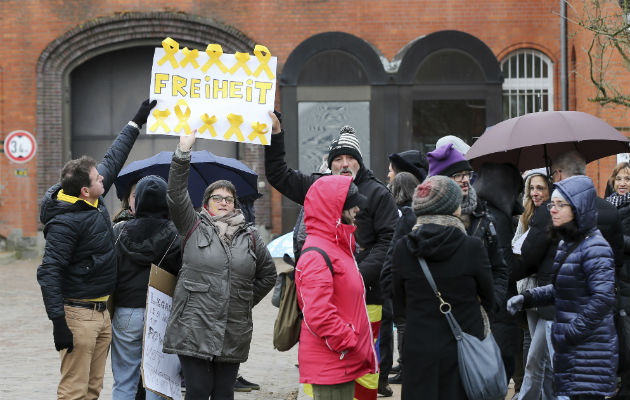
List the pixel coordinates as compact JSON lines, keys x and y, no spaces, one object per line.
{"x":71,"y":199}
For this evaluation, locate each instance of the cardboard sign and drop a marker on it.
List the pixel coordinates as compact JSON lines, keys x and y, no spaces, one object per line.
{"x":223,"y":96}
{"x":160,"y":371}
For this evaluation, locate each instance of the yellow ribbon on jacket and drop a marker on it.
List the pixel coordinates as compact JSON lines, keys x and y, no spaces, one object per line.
{"x":241,"y":62}
{"x":259,"y":131}
{"x":171,"y":48}
{"x":207,"y":124}
{"x":182,"y":116}
{"x":190,"y":56}
{"x":214,"y":52}
{"x":263,"y":55}
{"x":160,"y":116}
{"x":235,"y":123}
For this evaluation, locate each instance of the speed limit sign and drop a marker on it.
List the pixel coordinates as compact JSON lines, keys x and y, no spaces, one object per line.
{"x":20,"y":146}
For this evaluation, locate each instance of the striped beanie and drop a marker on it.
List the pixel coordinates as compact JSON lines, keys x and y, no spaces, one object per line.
{"x":347,"y":143}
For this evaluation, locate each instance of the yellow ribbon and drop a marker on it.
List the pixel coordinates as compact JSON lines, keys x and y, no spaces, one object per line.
{"x":235,"y":123}
{"x":183,"y":117}
{"x":241,"y":62}
{"x":263,"y":55}
{"x":171,"y":47}
{"x":214,"y":51}
{"x":259,"y":131}
{"x":160,"y":116}
{"x":190,"y":56}
{"x":207,"y":124}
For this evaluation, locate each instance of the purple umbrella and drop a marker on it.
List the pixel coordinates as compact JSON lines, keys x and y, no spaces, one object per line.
{"x":532,"y":140}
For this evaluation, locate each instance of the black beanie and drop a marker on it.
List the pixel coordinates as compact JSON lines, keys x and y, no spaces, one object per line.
{"x":347,"y":143}
{"x":151,"y":197}
{"x":354,"y":198}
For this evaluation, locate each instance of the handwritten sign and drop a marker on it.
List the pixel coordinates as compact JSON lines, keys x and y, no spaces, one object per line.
{"x":160,"y":371}
{"x":223,"y":96}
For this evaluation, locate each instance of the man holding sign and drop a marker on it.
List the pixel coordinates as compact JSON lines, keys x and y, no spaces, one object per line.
{"x":78,"y":270}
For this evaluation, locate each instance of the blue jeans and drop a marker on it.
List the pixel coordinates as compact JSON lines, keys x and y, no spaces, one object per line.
{"x":538,"y":377}
{"x":127,"y":330}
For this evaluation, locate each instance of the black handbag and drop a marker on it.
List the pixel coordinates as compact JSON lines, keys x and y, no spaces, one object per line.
{"x":480,"y":364}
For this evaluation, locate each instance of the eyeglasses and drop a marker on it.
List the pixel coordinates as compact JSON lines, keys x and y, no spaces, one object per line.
{"x":217,"y":198}
{"x":458,"y":177}
{"x":558,"y":206}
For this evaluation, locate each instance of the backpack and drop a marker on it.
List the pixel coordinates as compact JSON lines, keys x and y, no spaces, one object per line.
{"x":286,"y":329}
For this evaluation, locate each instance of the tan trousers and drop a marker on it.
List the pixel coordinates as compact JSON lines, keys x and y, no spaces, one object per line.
{"x":82,"y":370}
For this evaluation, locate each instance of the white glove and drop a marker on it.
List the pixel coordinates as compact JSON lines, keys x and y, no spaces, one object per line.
{"x":515,"y":304}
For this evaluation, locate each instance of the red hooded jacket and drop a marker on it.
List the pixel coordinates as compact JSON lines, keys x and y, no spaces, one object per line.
{"x":336,"y":343}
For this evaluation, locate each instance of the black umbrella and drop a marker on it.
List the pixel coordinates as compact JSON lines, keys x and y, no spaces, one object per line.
{"x":205,"y":168}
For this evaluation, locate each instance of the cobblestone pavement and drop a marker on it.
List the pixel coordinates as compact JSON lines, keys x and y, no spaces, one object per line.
{"x":29,"y":364}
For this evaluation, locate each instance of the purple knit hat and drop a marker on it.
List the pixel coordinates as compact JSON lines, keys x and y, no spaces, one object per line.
{"x":447,"y":161}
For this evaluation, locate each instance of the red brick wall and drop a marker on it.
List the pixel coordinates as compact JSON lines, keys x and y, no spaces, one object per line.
{"x":504,"y":25}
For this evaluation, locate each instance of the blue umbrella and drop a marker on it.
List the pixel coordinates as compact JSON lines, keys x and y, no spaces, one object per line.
{"x":205,"y":168}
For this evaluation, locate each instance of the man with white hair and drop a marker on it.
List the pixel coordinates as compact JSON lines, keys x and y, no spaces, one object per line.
{"x":375,"y":223}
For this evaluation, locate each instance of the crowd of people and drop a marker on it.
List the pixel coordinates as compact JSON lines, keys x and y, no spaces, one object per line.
{"x":535,"y":257}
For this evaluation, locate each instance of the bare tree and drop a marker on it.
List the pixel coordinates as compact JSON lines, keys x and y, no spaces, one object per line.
{"x":609,"y":48}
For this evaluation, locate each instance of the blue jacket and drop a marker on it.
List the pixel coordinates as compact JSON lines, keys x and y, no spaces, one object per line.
{"x":583,"y":333}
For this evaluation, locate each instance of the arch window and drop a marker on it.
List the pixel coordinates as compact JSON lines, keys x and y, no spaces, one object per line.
{"x":528,"y":84}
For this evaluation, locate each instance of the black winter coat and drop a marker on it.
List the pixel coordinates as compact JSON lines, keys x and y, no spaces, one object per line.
{"x":623,"y":273}
{"x":79,"y":259}
{"x":375,"y":224}
{"x":483,"y":226}
{"x":404,"y":226}
{"x":537,"y":254}
{"x":140,"y":243}
{"x":462,"y":273}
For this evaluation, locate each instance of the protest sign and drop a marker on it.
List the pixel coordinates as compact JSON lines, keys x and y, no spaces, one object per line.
{"x":160,"y":371}
{"x":223,"y":96}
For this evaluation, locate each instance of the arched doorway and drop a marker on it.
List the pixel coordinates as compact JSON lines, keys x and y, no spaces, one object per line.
{"x":92,"y":80}
{"x":450,"y":84}
{"x":328,"y":81}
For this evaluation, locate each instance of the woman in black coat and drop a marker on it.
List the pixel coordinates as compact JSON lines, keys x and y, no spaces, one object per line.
{"x":619,"y":181}
{"x":463,"y":275}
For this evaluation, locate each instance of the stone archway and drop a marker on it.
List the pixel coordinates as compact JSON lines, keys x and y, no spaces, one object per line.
{"x":96,"y":37}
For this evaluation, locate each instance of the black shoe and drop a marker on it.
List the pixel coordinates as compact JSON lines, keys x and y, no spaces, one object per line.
{"x":244,"y":383}
{"x":384,"y":389}
{"x":395,"y":369}
{"x":396,"y":379}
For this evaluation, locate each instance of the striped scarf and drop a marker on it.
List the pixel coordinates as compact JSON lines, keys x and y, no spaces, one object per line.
{"x":619,"y":200}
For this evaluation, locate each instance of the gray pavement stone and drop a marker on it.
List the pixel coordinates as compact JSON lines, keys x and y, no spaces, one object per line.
{"x":29,"y":364}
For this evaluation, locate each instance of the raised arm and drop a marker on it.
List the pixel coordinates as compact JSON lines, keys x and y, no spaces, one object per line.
{"x":291,"y":183}
{"x":117,"y":153}
{"x":180,"y":206}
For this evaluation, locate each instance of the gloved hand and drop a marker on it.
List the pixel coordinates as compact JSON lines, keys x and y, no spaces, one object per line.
{"x":143,"y":112}
{"x":515,"y":304}
{"x":62,"y":335}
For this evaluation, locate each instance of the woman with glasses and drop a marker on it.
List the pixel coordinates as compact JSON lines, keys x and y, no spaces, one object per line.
{"x":583,"y":290}
{"x":536,"y":259}
{"x":226,"y":270}
{"x":619,"y":181}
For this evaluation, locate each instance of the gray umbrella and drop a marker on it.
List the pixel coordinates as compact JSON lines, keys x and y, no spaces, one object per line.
{"x":532,"y":140}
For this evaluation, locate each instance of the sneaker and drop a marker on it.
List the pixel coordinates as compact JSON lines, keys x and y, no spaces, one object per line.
{"x":395,"y":369}
{"x":396,"y":379}
{"x":384,"y":389}
{"x":244,"y":383}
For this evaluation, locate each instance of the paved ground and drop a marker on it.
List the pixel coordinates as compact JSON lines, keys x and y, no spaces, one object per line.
{"x":29,"y":364}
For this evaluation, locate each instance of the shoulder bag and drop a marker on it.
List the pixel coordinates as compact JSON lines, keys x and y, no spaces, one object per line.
{"x":480,"y":365}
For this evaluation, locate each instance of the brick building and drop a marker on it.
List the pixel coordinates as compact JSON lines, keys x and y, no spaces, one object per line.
{"x":402,"y":72}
